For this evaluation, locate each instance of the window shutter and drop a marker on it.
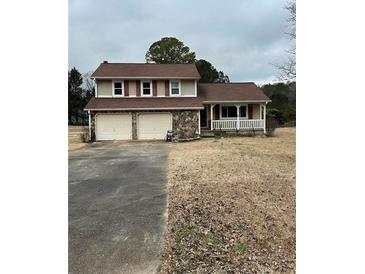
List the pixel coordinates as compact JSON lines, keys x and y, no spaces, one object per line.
{"x":167,"y":92}
{"x":154,"y":88}
{"x":126,"y":88}
{"x":138,"y":88}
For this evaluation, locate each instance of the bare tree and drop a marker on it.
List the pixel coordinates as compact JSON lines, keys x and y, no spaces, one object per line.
{"x":292,"y":19}
{"x":288,"y":68}
{"x":88,"y":82}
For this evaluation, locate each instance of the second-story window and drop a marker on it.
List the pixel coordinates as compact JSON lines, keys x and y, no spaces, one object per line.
{"x":118,"y":88}
{"x":175,"y":87}
{"x":146,"y":88}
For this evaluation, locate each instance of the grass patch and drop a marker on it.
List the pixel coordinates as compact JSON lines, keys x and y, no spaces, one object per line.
{"x":187,"y":230}
{"x":239,"y":248}
{"x":241,"y":227}
{"x":211,"y":241}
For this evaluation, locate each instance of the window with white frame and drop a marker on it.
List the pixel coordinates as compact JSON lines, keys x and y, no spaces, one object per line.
{"x":231,"y":111}
{"x":118,"y":88}
{"x":146,"y":88}
{"x":175,"y":88}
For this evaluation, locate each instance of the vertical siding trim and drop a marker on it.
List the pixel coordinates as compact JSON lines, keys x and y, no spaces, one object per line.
{"x":167,"y":85}
{"x":154,"y":88}
{"x":138,"y":88}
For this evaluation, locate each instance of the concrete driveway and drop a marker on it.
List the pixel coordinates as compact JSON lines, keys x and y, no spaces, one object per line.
{"x":117,"y":207}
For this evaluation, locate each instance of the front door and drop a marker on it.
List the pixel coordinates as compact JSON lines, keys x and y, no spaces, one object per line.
{"x":203,"y":117}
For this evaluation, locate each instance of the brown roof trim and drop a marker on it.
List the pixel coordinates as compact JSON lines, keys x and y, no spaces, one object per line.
{"x":237,"y":101}
{"x":144,"y":103}
{"x":146,"y":71}
{"x":144,"y":77}
{"x":157,"y":108}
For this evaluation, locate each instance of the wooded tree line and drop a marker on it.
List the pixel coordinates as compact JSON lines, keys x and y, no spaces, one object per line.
{"x":80,"y":90}
{"x":283,"y":101}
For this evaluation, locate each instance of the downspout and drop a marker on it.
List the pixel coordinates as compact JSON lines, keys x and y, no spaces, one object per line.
{"x":89,"y":125}
{"x":265,"y":118}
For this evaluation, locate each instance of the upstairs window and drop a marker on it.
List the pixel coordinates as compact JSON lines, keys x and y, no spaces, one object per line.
{"x":146,"y":88}
{"x":118,"y":88}
{"x":175,"y":88}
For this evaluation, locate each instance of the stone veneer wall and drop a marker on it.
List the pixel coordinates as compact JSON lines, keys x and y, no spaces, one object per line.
{"x":134,"y":126}
{"x":184,"y":122}
{"x":93,"y":137}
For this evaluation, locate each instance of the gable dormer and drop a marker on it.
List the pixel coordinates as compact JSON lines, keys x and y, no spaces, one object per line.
{"x":122,"y":80}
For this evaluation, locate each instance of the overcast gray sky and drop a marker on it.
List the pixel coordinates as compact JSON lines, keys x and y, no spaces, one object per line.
{"x":240,"y":37}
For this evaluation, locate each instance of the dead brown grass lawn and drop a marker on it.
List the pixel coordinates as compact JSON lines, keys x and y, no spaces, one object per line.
{"x":74,"y":146}
{"x":231,"y":205}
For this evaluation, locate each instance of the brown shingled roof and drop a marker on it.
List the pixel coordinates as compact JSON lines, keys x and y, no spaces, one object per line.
{"x":144,"y":103}
{"x":140,"y":70}
{"x":220,"y":92}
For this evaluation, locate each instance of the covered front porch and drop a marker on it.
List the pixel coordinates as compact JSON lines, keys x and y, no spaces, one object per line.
{"x":225,"y":116}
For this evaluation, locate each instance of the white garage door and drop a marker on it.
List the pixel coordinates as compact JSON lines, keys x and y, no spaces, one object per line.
{"x":154,"y":125}
{"x":113,"y":127}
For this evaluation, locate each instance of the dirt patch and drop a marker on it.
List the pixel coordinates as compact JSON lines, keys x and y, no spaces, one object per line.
{"x":232,"y":206}
{"x":75,"y":146}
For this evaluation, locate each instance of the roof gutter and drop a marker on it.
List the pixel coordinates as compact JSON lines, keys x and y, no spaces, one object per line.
{"x":237,"y":101}
{"x":143,"y":77}
{"x":130,"y":109}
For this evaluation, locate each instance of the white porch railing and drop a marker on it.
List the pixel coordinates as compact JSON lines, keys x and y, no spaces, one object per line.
{"x":243,"y":124}
{"x":224,"y":124}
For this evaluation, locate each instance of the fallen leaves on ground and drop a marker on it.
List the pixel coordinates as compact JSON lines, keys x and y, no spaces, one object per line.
{"x":231,"y":206}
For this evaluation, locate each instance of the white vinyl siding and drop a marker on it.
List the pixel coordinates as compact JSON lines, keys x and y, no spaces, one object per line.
{"x":188,"y":88}
{"x":104,"y":88}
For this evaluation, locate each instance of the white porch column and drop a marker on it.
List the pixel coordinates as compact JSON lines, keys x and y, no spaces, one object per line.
{"x":89,"y":124}
{"x":264,"y":118}
{"x":238,"y":117}
{"x":211,"y":116}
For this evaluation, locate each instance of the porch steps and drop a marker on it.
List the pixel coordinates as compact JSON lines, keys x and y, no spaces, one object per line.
{"x":206,"y":133}
{"x":242,"y":132}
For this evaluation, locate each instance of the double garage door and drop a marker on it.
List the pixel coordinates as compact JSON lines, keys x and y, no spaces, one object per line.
{"x":119,"y":126}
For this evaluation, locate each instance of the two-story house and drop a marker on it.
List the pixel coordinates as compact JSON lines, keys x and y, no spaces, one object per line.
{"x":135,"y":101}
